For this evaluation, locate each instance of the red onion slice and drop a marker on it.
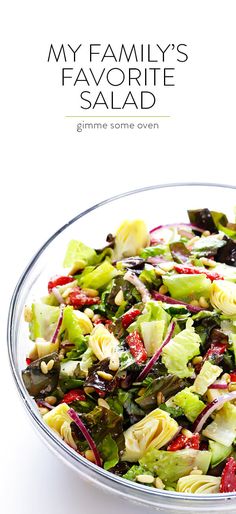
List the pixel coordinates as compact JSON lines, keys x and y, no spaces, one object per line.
{"x":42,"y":403}
{"x":220,"y":385}
{"x":157,"y":354}
{"x":207,"y":411}
{"x":59,"y":322}
{"x":169,"y":225}
{"x":173,"y":301}
{"x":57,"y":295}
{"x":86,"y":434}
{"x":136,"y":282}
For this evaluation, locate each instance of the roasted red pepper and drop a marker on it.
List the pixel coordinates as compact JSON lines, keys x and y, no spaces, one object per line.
{"x":129,"y":317}
{"x":182,"y":441}
{"x":233,"y":376}
{"x":73,"y":395}
{"x":136,"y":346}
{"x":194,"y":270}
{"x":59,"y":281}
{"x":28,"y":361}
{"x":77,"y":298}
{"x":228,"y":478}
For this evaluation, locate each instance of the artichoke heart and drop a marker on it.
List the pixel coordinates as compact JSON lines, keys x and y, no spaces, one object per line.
{"x":198,"y":484}
{"x":60,"y":421}
{"x":223,"y":296}
{"x":102,"y":342}
{"x":154,"y":431}
{"x":130,"y":238}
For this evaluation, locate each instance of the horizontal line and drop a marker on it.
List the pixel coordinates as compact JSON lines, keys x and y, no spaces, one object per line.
{"x":81,"y":116}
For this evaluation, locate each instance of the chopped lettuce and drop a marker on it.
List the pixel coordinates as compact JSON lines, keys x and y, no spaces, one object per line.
{"x":177,"y":353}
{"x":152,"y":334}
{"x":71,"y":326}
{"x":208,"y":374}
{"x":187,"y":287}
{"x":97,"y":277}
{"x":153,"y":312}
{"x":170,"y":466}
{"x":190,"y":403}
{"x":78,"y":255}
{"x":223,"y":428}
{"x":109,"y":452}
{"x":219,"y":452}
{"x":44,"y":321}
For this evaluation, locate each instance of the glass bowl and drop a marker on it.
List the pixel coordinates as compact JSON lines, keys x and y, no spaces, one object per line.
{"x":156,"y":205}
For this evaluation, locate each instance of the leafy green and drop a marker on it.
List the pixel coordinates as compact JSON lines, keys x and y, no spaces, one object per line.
{"x":222,"y":223}
{"x":44,"y":321}
{"x":153,"y":312}
{"x":177,"y":353}
{"x":219,"y":452}
{"x":208,"y":245}
{"x":102,"y":422}
{"x":202,"y":218}
{"x":208,"y":374}
{"x":152,"y":333}
{"x":38,"y":383}
{"x":223,"y":428}
{"x":175,"y":412}
{"x":109,"y":452}
{"x":167,"y":384}
{"x":134,"y":471}
{"x":190,"y":403}
{"x":170,"y":466}
{"x":179,"y":252}
{"x":187,"y":287}
{"x":78,"y":252}
{"x":153,"y":251}
{"x":150,"y":278}
{"x":97,"y":277}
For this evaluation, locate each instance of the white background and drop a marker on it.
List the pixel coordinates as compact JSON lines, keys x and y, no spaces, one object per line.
{"x":50,"y":172}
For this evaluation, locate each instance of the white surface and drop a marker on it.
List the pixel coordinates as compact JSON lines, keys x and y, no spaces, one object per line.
{"x":50,"y":173}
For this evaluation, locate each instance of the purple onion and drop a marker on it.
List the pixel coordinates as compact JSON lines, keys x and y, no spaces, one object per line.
{"x":190,"y":225}
{"x":173,"y":301}
{"x":42,"y":403}
{"x":73,"y":415}
{"x":207,"y":411}
{"x":157,"y":354}
{"x":136,"y":282}
{"x":59,"y":322}
{"x":220,"y":385}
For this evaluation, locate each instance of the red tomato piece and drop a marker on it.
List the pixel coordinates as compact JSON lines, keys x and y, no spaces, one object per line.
{"x":182,"y":441}
{"x":59,"y":281}
{"x":129,"y":317}
{"x":194,"y":270}
{"x":73,"y":395}
{"x":228,"y":478}
{"x":77,"y":298}
{"x":136,"y":346}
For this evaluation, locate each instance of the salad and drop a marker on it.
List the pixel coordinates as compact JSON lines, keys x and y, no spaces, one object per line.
{"x":132,"y":359}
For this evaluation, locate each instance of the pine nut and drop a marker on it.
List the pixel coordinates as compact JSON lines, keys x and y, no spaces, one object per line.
{"x":232,"y":387}
{"x":89,"y":390}
{"x":226,"y":377}
{"x":89,"y":313}
{"x":28,"y":315}
{"x":96,"y":317}
{"x":90,"y":292}
{"x":208,"y":262}
{"x":103,"y":403}
{"x":43,"y":410}
{"x":160,"y":398}
{"x":194,"y":303}
{"x":44,"y":367}
{"x":196,"y":472}
{"x":114,"y":362}
{"x":190,"y":243}
{"x":141,"y":391}
{"x":163,"y":290}
{"x":119,"y":298}
{"x":104,"y":375}
{"x":145,"y":479}
{"x":166,"y":266}
{"x":51,"y":400}
{"x":159,"y":271}
{"x":50,"y":364}
{"x":90,"y":455}
{"x":197,"y":360}
{"x":206,"y":233}
{"x":203,"y":303}
{"x":33,"y":354}
{"x":159,"y":484}
{"x":61,"y":354}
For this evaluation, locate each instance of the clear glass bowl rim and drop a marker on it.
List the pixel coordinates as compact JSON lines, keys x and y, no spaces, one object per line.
{"x":131,"y":487}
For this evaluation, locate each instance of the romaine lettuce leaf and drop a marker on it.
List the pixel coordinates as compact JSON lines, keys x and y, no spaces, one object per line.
{"x":170,"y":466}
{"x":78,"y":252}
{"x":187,"y":287}
{"x":97,"y":277}
{"x":208,"y":374}
{"x":152,"y":334}
{"x":109,"y":452}
{"x":223,"y":428}
{"x":178,"y":352}
{"x":190,"y":403}
{"x":44,"y":321}
{"x":153,"y":312}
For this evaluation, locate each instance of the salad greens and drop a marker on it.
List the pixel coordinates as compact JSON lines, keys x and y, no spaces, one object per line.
{"x":133,"y":353}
